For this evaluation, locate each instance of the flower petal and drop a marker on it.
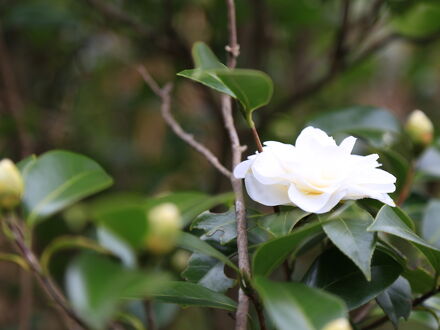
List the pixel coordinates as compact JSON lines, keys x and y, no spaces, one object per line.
{"x":269,"y":195}
{"x":308,"y":202}
{"x":347,"y":144}
{"x":312,"y":138}
{"x":241,"y":169}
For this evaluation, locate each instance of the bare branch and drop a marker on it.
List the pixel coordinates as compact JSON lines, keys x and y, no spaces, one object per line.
{"x":233,"y":48}
{"x":164,"y":94}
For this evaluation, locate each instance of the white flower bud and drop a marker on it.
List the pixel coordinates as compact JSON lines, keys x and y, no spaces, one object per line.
{"x":11,"y":184}
{"x":338,"y":324}
{"x":420,"y":128}
{"x":164,"y":228}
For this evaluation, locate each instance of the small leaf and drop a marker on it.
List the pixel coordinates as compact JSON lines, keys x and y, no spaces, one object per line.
{"x":396,"y":300}
{"x":296,"y":306}
{"x":431,"y":223}
{"x":190,"y":294}
{"x":348,"y":231}
{"x":272,"y":254}
{"x":335,"y":273}
{"x":207,"y":78}
{"x":221,"y":227}
{"x":195,"y":244}
{"x":97,"y":285}
{"x":204,"y":57}
{"x":395,"y":222}
{"x":58,"y":179}
{"x":208,"y":272}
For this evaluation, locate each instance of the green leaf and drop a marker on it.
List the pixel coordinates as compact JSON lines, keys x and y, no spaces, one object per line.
{"x":204,"y":58}
{"x":431,"y":223}
{"x":335,"y":273}
{"x":221,"y":227}
{"x":97,"y":285}
{"x":208,"y":272}
{"x":271,"y":254}
{"x":252,"y":88}
{"x":422,"y":20}
{"x":296,"y":306}
{"x":195,"y":244}
{"x":117,"y":246}
{"x":420,"y":280}
{"x":373,"y":124}
{"x":348,"y":231}
{"x":429,"y":162}
{"x":190,"y":294}
{"x":207,"y":78}
{"x":395,"y":222}
{"x":280,"y":223}
{"x":58,"y":179}
{"x":396,"y":300}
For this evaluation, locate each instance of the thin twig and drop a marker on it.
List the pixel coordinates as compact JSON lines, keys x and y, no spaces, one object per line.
{"x":151,"y":319}
{"x":164,"y":95}
{"x":340,"y":49}
{"x":233,"y":48}
{"x":46,"y":282}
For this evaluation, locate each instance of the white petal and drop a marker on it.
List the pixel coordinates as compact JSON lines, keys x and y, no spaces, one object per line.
{"x":347,"y":144}
{"x":267,"y":168}
{"x":311,"y":138}
{"x":308,"y":202}
{"x":269,"y":195}
{"x":241,"y":169}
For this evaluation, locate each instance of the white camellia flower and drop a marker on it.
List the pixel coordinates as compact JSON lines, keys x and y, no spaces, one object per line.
{"x":315,"y":174}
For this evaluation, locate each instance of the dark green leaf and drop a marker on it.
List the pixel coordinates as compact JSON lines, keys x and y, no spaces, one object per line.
{"x":190,"y":294}
{"x":395,"y":222}
{"x":396,"y":300}
{"x":271,"y":254}
{"x":97,"y":285}
{"x":282,"y":223}
{"x":58,"y":179}
{"x":221,"y":227}
{"x":208,"y":272}
{"x":296,"y":306}
{"x":420,"y":280}
{"x":195,"y":244}
{"x":348,"y":231}
{"x":431,"y":223}
{"x":335,"y":273}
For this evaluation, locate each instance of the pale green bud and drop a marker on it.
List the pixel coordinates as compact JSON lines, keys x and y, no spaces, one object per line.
{"x":179,"y":260}
{"x":338,"y":324}
{"x":11,"y":184}
{"x":420,"y":128}
{"x":165,"y":224}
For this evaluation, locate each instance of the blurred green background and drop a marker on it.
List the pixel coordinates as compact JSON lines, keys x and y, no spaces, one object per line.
{"x":68,"y":80}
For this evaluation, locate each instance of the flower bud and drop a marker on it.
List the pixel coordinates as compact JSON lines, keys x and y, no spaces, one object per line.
{"x":338,"y":324}
{"x":180,"y":260}
{"x":11,"y":184}
{"x":164,"y":228}
{"x":420,"y":128}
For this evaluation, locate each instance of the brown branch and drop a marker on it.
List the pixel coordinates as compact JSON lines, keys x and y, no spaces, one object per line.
{"x":233,"y":48}
{"x":340,"y":48}
{"x":416,"y":302}
{"x":164,"y":95}
{"x":46,"y":282}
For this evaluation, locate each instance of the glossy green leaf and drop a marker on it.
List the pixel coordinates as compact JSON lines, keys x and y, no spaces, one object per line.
{"x":431,"y":223}
{"x":120,"y":248}
{"x":204,"y":58}
{"x":195,"y":244}
{"x":208,"y":272}
{"x":348,"y":231}
{"x":252,"y":88}
{"x":190,"y":294}
{"x":272,"y":253}
{"x":97,"y":285}
{"x":420,"y":280}
{"x":58,"y":179}
{"x":396,"y":300}
{"x":296,"y":306}
{"x":221,"y":227}
{"x":395,"y":222}
{"x":281,"y":223}
{"x":429,"y":162}
{"x":335,"y":273}
{"x":208,"y":78}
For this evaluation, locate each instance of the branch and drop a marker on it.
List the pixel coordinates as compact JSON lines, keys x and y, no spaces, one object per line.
{"x":46,"y":282}
{"x":164,"y":95}
{"x":416,"y":302}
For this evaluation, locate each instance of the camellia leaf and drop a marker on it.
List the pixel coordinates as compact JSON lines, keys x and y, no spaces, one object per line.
{"x":204,"y":58}
{"x":190,"y":294}
{"x":207,"y":78}
{"x":208,"y":272}
{"x":394,"y":221}
{"x":335,"y":273}
{"x":420,"y":280}
{"x":429,"y":162}
{"x":430,"y":223}
{"x":348,"y":231}
{"x":297,"y":306}
{"x":58,"y":179}
{"x":272,"y":253}
{"x":97,"y":285}
{"x":280,"y":223}
{"x":195,"y":244}
{"x":396,"y":300}
{"x":221,"y":227}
